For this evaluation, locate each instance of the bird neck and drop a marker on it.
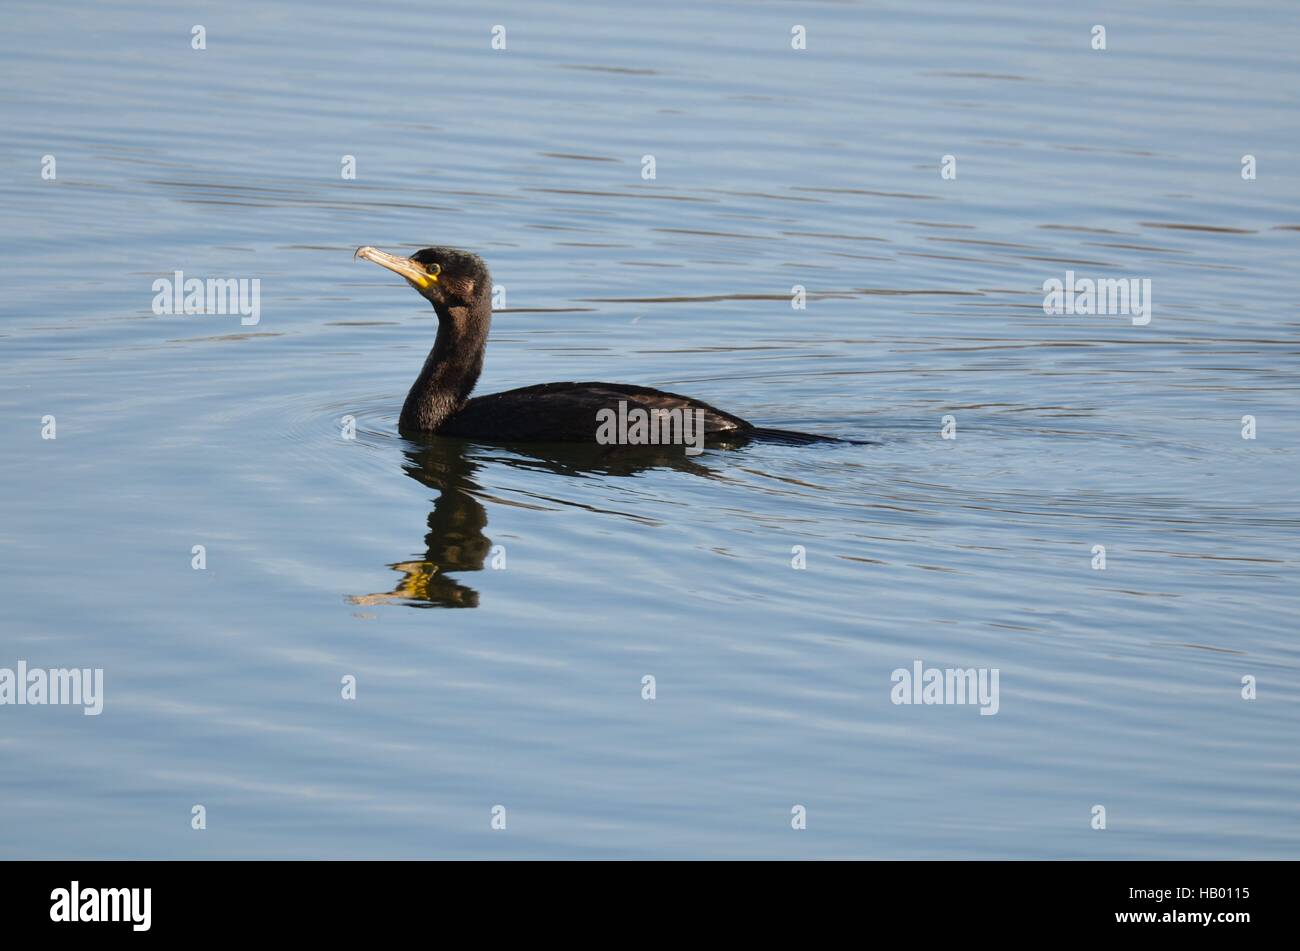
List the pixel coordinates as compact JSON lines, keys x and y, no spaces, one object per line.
{"x":451,"y":369}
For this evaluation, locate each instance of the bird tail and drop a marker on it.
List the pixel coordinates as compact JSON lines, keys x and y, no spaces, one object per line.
{"x":789,"y":437}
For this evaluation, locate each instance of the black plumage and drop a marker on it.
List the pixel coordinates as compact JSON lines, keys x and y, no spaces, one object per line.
{"x":459,"y":287}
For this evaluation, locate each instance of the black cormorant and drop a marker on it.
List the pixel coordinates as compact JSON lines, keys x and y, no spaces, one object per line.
{"x":457,"y":284}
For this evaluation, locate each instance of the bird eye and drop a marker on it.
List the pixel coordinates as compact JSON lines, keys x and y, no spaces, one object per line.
{"x":434,"y":269}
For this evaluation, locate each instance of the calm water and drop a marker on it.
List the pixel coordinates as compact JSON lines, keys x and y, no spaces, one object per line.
{"x":374,"y":557}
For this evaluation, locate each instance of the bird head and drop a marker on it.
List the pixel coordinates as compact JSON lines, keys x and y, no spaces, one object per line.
{"x":445,"y":277}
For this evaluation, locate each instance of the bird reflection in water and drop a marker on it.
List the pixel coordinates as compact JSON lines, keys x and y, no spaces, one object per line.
{"x":456,"y":541}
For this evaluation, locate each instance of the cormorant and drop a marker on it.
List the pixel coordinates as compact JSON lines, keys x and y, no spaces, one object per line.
{"x":457,"y":284}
